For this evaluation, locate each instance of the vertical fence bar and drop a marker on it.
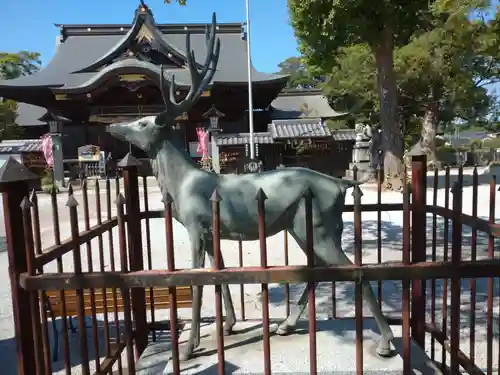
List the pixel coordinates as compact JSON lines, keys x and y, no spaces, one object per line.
{"x":358,"y":302}
{"x":444,"y":309}
{"x":130,"y":166}
{"x":93,"y":311}
{"x":172,"y":295}
{"x":113,"y":268}
{"x":379,"y":231}
{"x":491,"y":287}
{"x":473,"y":283}
{"x":311,"y":295}
{"x":456,"y":252}
{"x":261,"y":198}
{"x":418,"y":248}
{"x":434,"y":258}
{"x":104,"y":291}
{"x":127,"y":318}
{"x":287,"y":286}
{"x":14,"y":185}
{"x":216,"y":198}
{"x":34,"y":302}
{"x":242,"y":286}
{"x":148,"y":250}
{"x":117,"y":183}
{"x":35,"y":214}
{"x":72,"y":204}
{"x":405,"y":300}
{"x":62,"y":295}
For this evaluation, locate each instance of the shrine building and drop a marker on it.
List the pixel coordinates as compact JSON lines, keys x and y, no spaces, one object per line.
{"x":98,"y":75}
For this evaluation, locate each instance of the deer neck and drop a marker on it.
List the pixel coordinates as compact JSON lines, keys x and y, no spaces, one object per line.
{"x":172,"y":165}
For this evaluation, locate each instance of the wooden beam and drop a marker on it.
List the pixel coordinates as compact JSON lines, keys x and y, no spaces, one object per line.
{"x":256,"y":275}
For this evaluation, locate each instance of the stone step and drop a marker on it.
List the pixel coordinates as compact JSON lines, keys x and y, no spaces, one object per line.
{"x":335,"y":343}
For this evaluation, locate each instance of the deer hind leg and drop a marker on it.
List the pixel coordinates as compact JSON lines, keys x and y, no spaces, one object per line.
{"x":298,"y":232}
{"x":198,"y":261}
{"x":328,"y":250}
{"x":230,"y":319}
{"x":289,"y":324}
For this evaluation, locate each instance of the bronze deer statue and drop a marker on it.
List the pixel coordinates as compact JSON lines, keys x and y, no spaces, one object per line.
{"x":191,"y":189}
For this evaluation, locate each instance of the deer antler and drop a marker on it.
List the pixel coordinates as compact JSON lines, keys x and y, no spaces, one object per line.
{"x":200,"y":79}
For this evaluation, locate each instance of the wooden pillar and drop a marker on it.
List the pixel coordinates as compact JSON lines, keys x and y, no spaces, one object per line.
{"x":130,"y":166}
{"x":418,"y":245}
{"x":15,"y":183}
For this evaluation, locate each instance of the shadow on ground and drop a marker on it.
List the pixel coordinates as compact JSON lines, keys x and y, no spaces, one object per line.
{"x":8,"y":347}
{"x":3,"y":244}
{"x":483,"y":179}
{"x":391,"y":239}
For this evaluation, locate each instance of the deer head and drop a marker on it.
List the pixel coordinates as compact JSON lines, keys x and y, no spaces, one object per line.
{"x":148,"y":131}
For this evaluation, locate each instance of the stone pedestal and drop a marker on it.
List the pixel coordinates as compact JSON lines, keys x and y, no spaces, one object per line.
{"x":335,"y":353}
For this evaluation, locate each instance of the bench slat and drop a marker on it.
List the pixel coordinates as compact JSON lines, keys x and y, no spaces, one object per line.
{"x":160,"y":297}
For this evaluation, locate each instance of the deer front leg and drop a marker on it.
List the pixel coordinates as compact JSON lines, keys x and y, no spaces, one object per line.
{"x":198,"y":261}
{"x":230,"y":320}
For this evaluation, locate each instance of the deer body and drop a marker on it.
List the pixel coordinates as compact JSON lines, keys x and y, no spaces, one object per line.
{"x":191,"y":189}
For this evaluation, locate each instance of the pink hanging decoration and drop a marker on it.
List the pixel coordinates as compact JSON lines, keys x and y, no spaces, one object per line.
{"x":202,"y":143}
{"x":47,"y":149}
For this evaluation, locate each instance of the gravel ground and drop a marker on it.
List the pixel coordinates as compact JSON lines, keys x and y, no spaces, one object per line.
{"x":391,"y":246}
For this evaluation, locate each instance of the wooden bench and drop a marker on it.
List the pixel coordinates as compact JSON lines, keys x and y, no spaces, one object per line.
{"x":54,"y":305}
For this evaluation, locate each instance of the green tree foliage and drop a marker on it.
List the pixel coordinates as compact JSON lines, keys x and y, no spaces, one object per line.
{"x":13,"y":65}
{"x":181,"y":2}
{"x":397,"y":52}
{"x":323,"y":27}
{"x":299,"y":75}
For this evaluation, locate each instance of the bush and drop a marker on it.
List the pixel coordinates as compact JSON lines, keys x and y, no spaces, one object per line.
{"x":48,"y":185}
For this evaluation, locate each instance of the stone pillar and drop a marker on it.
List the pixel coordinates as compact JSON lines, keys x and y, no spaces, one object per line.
{"x":58,"y":157}
{"x":215,"y":155}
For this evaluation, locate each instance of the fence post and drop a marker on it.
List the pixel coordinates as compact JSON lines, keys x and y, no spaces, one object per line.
{"x":418,"y":245}
{"x":15,"y":181}
{"x":130,"y":166}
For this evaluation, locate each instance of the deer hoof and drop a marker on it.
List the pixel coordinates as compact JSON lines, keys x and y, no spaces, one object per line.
{"x":384,"y":351}
{"x":185,"y":355}
{"x":228,"y":330}
{"x":284,"y":330}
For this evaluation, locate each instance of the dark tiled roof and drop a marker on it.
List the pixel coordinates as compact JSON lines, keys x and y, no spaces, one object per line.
{"x":344,"y":135}
{"x":84,"y":45}
{"x":21,"y":145}
{"x":242,"y":138}
{"x":28,"y":115}
{"x":302,"y":104}
{"x":299,"y":128}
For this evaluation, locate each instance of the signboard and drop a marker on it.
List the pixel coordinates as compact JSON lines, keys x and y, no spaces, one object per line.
{"x":89,"y":153}
{"x":102,"y":162}
{"x":308,"y":144}
{"x":253,"y":166}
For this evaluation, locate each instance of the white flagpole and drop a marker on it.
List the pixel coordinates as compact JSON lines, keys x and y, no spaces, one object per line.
{"x":250,"y":100}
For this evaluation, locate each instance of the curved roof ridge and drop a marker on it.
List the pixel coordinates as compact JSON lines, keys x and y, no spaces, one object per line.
{"x":121,"y":44}
{"x":143,"y":17}
{"x":139,"y":67}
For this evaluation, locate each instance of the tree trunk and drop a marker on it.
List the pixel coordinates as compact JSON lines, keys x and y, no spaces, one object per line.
{"x":429,"y":125}
{"x":392,"y":136}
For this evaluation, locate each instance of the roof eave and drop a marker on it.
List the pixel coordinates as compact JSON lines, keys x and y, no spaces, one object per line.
{"x":123,"y":67}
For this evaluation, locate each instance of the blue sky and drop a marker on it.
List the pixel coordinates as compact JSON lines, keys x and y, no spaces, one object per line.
{"x":29,"y":24}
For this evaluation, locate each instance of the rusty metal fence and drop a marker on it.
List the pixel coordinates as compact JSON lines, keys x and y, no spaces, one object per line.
{"x":112,"y":288}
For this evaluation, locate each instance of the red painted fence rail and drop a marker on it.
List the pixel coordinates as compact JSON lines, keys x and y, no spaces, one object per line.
{"x":116,"y":291}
